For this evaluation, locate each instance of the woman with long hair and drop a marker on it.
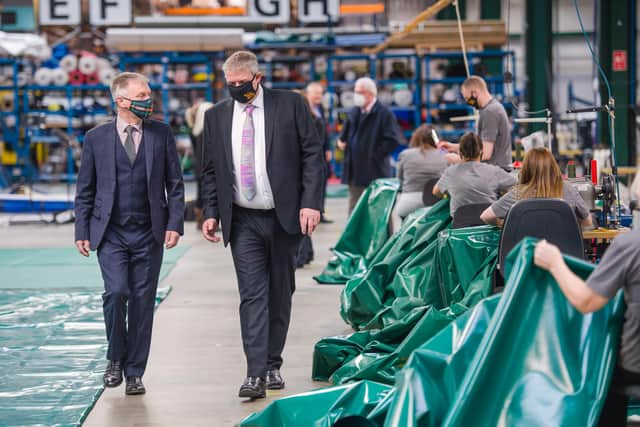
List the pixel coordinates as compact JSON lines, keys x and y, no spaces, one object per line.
{"x":471,"y":181}
{"x":540,"y":177}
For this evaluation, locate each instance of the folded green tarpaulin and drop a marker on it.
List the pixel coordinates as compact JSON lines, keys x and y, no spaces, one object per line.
{"x":366,"y":295}
{"x":429,"y":289}
{"x":541,"y":362}
{"x":365,"y":233}
{"x":527,"y":359}
{"x":321,"y":408}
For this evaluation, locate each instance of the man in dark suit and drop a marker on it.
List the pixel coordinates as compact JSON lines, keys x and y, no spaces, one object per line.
{"x":129,"y":202}
{"x":369,"y":137}
{"x":262,"y":178}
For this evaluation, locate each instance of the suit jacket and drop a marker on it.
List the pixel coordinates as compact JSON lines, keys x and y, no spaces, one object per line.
{"x":295,"y":164}
{"x":96,"y":185}
{"x":378,"y":135}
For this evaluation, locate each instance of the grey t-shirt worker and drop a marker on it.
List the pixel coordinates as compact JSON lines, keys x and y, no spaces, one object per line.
{"x":474,"y":182}
{"x":493,"y":125}
{"x":417,"y":167}
{"x":569,"y":195}
{"x":620,"y":269}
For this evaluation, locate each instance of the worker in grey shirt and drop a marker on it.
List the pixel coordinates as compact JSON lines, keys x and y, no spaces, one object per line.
{"x":540,"y":177}
{"x":493,"y":124}
{"x":417,"y":165}
{"x":618,"y":269}
{"x":472,"y":182}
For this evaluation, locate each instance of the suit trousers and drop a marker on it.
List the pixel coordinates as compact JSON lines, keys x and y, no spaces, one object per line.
{"x":355,"y":192}
{"x":264,"y":256}
{"x":130,"y":259}
{"x":614,"y":411}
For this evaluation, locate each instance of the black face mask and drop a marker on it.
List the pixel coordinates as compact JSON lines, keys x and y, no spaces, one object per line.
{"x":243,"y":93}
{"x":472,"y":101}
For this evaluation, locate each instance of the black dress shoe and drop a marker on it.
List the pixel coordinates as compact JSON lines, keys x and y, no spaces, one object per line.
{"x":324,"y":220}
{"x":253,"y":387}
{"x":274,"y":380}
{"x":135,"y":386}
{"x":113,"y":374}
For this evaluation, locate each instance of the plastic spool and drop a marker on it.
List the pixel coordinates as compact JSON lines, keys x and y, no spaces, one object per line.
{"x":103,"y":64}
{"x":88,"y":102}
{"x":350,"y":75}
{"x":23,"y":78}
{"x":346,"y":99}
{"x":69,"y":63}
{"x":43,"y":77}
{"x":76,"y":78}
{"x":10,"y":121}
{"x":88,"y":64}
{"x":403,"y":97}
{"x":60,"y":77}
{"x":92,"y":79}
{"x":174,"y":104}
{"x":106,"y":76}
{"x":385,"y":97}
{"x":6,"y":103}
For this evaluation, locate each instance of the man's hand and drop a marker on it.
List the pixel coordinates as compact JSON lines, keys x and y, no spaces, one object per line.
{"x":83,"y":247}
{"x":547,"y":256}
{"x":171,"y":239}
{"x":328,"y":155}
{"x":341,"y":144}
{"x":209,"y":228}
{"x":309,"y":219}
{"x":449,"y":146}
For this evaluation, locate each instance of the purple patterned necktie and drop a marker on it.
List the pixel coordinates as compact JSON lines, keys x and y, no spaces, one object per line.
{"x":247,"y":156}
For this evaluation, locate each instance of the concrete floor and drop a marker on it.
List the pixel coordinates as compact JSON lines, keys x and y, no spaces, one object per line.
{"x":197,"y":363}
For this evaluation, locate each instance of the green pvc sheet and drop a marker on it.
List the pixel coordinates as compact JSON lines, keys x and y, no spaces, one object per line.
{"x":365,"y":233}
{"x":55,"y":268}
{"x":321,"y":408}
{"x":364,"y":296}
{"x":523,"y":358}
{"x":541,"y":362}
{"x":52,"y":353}
{"x":430,"y":289}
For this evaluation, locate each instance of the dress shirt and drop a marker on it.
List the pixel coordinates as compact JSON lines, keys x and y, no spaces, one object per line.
{"x":264,"y":196}
{"x":121,"y":126}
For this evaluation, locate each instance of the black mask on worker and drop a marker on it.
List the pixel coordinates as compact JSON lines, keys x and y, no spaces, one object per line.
{"x":243,"y":93}
{"x":472,"y":101}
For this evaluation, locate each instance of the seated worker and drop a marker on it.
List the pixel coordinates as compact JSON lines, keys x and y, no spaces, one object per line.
{"x":418,"y":164}
{"x":618,"y":269}
{"x":472,"y":182}
{"x":540,"y":177}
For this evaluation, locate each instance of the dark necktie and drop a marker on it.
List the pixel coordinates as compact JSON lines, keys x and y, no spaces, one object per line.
{"x":129,"y":145}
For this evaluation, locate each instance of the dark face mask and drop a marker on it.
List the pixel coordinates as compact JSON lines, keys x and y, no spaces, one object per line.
{"x":243,"y":93}
{"x":142,"y":108}
{"x":472,"y":101}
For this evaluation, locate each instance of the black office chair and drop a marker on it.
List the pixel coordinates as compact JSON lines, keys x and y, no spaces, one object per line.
{"x":428,"y":199}
{"x":469,"y":215}
{"x":551,"y":219}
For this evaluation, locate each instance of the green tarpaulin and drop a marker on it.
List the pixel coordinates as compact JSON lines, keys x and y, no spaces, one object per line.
{"x":52,"y":338}
{"x":432,"y":286}
{"x":525,"y":358}
{"x":365,"y":233}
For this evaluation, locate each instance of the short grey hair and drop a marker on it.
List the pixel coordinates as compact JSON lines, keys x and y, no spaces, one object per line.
{"x":120,"y":83}
{"x":368,"y":84}
{"x":241,"y":60}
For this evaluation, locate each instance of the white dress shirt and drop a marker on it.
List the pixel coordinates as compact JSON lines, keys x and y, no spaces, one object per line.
{"x":264,"y":196}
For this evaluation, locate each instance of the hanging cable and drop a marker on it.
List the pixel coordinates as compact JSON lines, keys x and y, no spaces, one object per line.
{"x":610,"y":107}
{"x":462,"y":44}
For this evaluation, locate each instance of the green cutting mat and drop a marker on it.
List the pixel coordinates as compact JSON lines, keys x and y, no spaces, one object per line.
{"x":55,"y":268}
{"x":52,"y":338}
